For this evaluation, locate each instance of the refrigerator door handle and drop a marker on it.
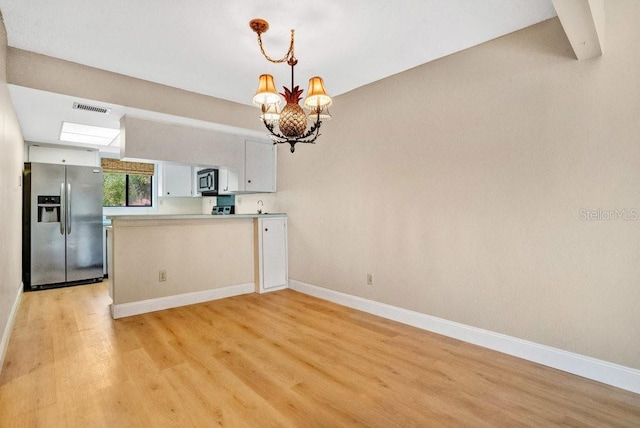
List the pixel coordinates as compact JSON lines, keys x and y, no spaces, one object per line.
{"x":63,"y":214}
{"x":68,"y":208}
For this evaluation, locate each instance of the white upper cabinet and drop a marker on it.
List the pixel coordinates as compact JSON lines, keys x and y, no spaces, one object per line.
{"x":260,"y":167}
{"x":64,"y":156}
{"x":175,"y":180}
{"x":227,"y":181}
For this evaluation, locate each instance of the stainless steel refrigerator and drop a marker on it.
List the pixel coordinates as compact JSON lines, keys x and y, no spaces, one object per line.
{"x":62,"y":225}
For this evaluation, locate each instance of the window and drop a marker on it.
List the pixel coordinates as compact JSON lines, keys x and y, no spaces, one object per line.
{"x":127,"y":184}
{"x":127,"y":190}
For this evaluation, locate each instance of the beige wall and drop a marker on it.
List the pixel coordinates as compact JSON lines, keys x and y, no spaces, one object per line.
{"x":460,"y":184}
{"x":10,"y":199}
{"x":197,"y":255}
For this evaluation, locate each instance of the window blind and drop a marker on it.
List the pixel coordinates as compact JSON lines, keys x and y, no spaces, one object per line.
{"x":122,"y":167}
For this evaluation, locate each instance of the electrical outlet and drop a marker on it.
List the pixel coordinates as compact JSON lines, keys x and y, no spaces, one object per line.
{"x":369,"y":279}
{"x":162,"y":276}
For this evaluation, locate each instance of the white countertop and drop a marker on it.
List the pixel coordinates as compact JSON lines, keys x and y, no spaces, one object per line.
{"x":193,"y":216}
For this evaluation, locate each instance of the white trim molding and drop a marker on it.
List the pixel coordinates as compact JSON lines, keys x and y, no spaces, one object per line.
{"x":591,"y":368}
{"x":6,"y":334}
{"x":151,"y":305}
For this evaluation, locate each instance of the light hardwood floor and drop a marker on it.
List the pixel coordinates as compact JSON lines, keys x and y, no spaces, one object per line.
{"x":282,"y":359}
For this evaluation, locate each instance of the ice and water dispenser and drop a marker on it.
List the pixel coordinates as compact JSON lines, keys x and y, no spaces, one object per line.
{"x":48,"y":209}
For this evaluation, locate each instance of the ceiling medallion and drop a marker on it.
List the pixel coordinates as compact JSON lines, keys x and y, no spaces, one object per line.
{"x":291,"y":121}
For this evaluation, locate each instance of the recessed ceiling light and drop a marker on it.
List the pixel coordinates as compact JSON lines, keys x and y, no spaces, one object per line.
{"x":87,"y":134}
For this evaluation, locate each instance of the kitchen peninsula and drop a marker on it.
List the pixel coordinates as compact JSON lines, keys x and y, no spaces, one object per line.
{"x":163,"y":261}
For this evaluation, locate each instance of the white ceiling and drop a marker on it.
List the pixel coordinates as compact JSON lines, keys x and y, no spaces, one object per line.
{"x":207,"y":46}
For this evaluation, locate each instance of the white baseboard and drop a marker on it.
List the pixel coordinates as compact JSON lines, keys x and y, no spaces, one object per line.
{"x":6,"y":334}
{"x":590,"y":368}
{"x":151,"y":305}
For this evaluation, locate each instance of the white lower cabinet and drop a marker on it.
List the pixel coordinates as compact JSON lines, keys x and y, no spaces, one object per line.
{"x":272,"y":258}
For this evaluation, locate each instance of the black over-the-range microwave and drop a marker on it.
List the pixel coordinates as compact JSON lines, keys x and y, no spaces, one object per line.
{"x":208,"y":181}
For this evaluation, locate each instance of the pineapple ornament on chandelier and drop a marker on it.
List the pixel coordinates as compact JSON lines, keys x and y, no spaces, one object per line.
{"x":292,"y":119}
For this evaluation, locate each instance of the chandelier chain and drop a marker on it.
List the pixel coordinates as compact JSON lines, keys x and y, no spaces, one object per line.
{"x":289,"y":56}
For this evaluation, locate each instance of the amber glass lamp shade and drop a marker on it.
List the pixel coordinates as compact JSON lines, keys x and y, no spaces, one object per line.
{"x":266,"y":93}
{"x":317,"y":95}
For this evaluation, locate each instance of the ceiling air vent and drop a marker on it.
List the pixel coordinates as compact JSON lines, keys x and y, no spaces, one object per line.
{"x":87,"y":107}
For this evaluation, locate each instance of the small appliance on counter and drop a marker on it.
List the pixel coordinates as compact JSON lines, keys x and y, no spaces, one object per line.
{"x":222,"y":209}
{"x":224,"y":205}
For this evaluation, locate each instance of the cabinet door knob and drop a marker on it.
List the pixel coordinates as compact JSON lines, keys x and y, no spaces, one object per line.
{"x":266,"y":230}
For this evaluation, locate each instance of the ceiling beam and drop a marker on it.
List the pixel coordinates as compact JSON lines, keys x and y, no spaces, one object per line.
{"x":583,"y":22}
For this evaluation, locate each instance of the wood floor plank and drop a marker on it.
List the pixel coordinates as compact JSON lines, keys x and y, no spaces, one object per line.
{"x":221,"y":397}
{"x":311,"y":363}
{"x":281,"y":359}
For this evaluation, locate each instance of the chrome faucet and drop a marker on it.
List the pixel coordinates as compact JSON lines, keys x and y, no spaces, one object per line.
{"x":260,"y":206}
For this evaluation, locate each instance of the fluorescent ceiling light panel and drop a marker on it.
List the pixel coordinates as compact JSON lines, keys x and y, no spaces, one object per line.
{"x":87,"y":134}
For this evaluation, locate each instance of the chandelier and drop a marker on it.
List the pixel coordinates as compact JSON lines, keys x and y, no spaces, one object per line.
{"x":291,"y":121}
